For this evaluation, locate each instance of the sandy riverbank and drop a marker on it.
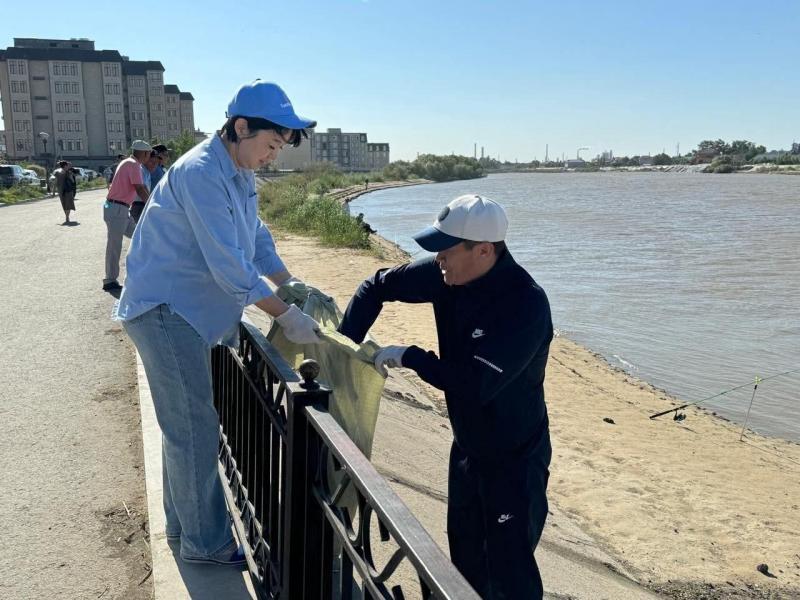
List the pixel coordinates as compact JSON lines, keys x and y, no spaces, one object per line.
{"x":678,"y":503}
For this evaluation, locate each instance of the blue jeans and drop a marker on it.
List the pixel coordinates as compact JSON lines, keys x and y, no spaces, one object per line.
{"x":178,"y":366}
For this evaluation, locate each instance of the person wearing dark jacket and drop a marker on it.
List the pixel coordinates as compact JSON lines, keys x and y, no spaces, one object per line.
{"x":494,"y":327}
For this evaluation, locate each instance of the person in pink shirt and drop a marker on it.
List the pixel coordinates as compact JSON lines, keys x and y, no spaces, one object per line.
{"x":126,"y":187}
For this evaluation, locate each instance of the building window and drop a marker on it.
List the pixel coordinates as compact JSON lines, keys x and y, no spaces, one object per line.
{"x":73,"y":70}
{"x":77,"y":125}
{"x":70,"y":145}
{"x":61,"y":125}
{"x":75,"y":89}
{"x":67,"y":106}
{"x":79,"y":145}
{"x":76,"y":107}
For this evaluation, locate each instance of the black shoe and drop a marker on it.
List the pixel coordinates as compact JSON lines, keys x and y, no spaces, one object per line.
{"x":112,"y":286}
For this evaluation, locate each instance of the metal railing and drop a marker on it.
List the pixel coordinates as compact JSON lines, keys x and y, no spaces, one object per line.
{"x":305,"y":501}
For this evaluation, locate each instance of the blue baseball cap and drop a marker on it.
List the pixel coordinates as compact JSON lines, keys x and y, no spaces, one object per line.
{"x":266,"y":100}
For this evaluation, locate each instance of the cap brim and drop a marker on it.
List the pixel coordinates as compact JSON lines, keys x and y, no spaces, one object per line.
{"x":433,"y":240}
{"x":293,"y":122}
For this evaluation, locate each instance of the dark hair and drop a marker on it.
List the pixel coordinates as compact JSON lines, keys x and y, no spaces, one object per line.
{"x":159,"y":148}
{"x":62,"y":163}
{"x":499,"y":247}
{"x":256,"y":124}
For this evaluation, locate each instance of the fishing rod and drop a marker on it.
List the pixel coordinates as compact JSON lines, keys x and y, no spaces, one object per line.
{"x":738,"y":387}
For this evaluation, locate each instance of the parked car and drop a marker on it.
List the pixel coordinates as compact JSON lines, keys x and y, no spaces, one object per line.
{"x":11,"y":175}
{"x":81,"y":174}
{"x":91,"y":173}
{"x":30,"y":176}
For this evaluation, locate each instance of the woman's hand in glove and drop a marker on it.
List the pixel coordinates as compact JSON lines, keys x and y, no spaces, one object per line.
{"x":298,"y":327}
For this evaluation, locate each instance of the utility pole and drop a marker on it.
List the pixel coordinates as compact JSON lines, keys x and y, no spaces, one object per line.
{"x":475,"y":151}
{"x":546,"y":149}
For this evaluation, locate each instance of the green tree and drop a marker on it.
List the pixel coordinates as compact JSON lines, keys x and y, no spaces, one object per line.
{"x":718,"y":146}
{"x":181,"y":144}
{"x":662,"y":159}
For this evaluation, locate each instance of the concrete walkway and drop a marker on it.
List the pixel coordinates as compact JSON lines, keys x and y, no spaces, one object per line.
{"x":174,"y":579}
{"x":72,"y":498}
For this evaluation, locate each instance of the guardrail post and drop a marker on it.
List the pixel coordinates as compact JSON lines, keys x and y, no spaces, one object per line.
{"x":304,"y":568}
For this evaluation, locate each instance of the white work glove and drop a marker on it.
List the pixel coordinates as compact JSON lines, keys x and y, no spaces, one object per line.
{"x":298,"y":286}
{"x":298,"y":327}
{"x":390,"y":356}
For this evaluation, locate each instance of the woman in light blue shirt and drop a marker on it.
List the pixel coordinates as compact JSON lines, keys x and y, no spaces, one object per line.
{"x":196,"y":260}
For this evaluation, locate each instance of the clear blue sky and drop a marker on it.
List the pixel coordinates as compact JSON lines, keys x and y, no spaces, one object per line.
{"x":437,"y":76}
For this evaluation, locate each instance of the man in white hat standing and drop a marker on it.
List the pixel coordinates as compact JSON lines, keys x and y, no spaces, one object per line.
{"x":126,"y":187}
{"x":494,"y":328}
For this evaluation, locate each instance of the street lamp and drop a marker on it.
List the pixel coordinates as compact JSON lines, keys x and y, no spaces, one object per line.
{"x":44,"y":136}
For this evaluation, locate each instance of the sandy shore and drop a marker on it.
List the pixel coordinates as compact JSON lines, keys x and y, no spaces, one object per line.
{"x":682,"y":505}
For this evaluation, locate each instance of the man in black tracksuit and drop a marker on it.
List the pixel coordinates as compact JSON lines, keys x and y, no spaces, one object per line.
{"x":494,"y":328}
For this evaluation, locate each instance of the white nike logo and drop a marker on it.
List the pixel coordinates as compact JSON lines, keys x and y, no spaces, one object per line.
{"x":477,"y":333}
{"x":504,"y":518}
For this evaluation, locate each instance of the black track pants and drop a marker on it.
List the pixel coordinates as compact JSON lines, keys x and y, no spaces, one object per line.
{"x":495,"y":517}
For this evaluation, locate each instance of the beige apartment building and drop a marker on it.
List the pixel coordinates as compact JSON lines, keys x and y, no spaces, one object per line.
{"x":65,"y":99}
{"x":347,"y":151}
{"x":377,"y":156}
{"x":186,"y":112}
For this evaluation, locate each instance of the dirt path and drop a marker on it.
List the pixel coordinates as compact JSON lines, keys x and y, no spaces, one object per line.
{"x":72,"y":497}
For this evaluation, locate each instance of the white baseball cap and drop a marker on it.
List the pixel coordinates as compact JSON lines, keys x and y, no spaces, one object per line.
{"x":140,"y":145}
{"x":470,"y":217}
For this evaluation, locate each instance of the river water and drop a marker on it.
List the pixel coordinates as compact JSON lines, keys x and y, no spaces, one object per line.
{"x":688,"y":281}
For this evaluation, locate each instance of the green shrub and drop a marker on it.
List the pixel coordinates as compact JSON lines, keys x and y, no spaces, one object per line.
{"x":38,"y":169}
{"x":20,"y":193}
{"x":96,"y":183}
{"x":290,"y":204}
{"x":299,"y":203}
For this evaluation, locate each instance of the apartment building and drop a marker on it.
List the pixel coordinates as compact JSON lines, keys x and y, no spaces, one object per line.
{"x":377,"y":156}
{"x":295,"y":159}
{"x":145,"y":87}
{"x":64,"y":98}
{"x":186,"y":112}
{"x":347,"y":151}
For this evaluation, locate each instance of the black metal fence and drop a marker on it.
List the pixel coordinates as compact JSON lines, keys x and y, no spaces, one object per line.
{"x":289,"y":466}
